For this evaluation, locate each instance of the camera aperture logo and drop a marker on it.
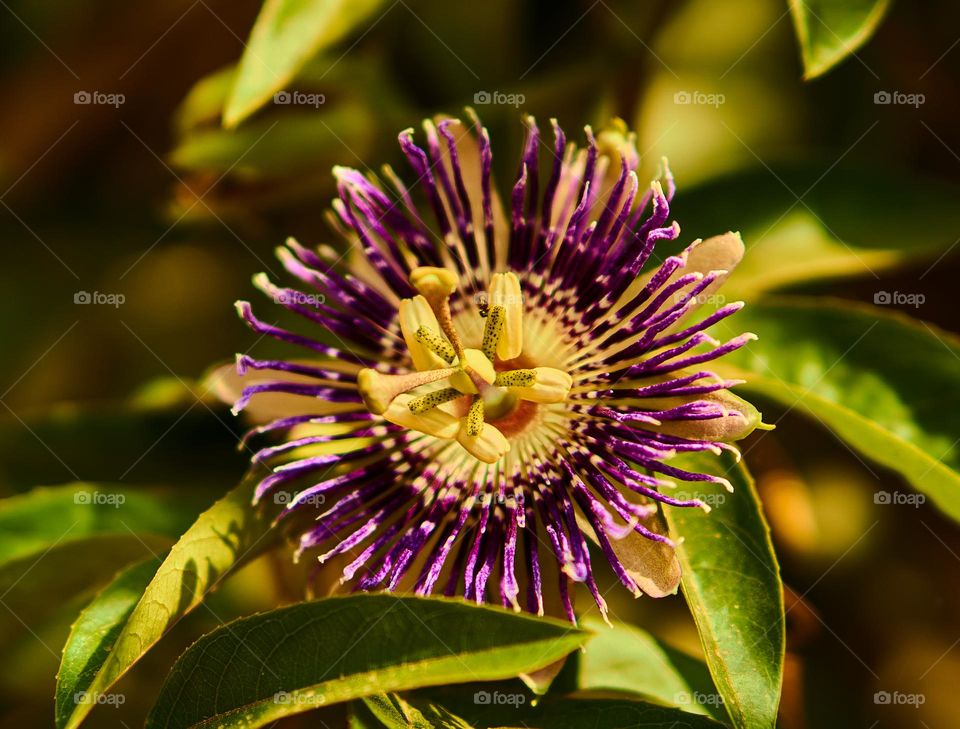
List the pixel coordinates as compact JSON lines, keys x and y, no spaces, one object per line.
{"x":299,"y":98}
{"x":699,"y":98}
{"x":99,"y":298}
{"x":98,"y":498}
{"x":99,"y":98}
{"x":898,"y":298}
{"x":498,"y":698}
{"x":898,"y":98}
{"x":498,"y":98}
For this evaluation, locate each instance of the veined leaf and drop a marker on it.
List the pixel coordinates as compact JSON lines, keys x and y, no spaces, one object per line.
{"x":259,"y":669}
{"x":286,"y":35}
{"x":629,"y":659}
{"x":882,"y":382}
{"x":731,"y":582}
{"x":94,"y":633}
{"x":226,"y":534}
{"x":831,"y":30}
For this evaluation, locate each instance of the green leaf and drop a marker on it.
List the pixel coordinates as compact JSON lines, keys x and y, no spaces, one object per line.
{"x":286,"y":35}
{"x":94,"y":633}
{"x":485,"y":710}
{"x":882,"y":382}
{"x":303,"y":656}
{"x":831,"y":30}
{"x":850,"y":222}
{"x":227,"y":533}
{"x":731,"y":582}
{"x":629,"y":659}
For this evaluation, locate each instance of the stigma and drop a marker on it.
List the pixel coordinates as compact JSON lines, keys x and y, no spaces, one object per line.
{"x":462,"y":390}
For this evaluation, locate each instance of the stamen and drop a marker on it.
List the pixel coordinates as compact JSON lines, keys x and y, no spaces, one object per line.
{"x":475,"y":417}
{"x":434,"y":342}
{"x":515,"y":378}
{"x":492,"y":330}
{"x":432,"y":399}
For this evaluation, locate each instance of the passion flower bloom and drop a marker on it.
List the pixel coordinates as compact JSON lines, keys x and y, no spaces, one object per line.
{"x":490,"y":391}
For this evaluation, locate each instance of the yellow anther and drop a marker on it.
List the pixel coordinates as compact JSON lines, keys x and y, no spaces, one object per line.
{"x":549,"y":385}
{"x":515,"y":378}
{"x":436,"y":344}
{"x":434,"y":422}
{"x":492,"y":330}
{"x":432,"y":399}
{"x":489,"y":446}
{"x":415,"y":313}
{"x":505,"y":291}
{"x":433,"y":282}
{"x":475,"y":417}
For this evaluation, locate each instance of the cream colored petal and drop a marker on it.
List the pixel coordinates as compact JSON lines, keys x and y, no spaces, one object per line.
{"x":505,"y":291}
{"x":652,"y":565}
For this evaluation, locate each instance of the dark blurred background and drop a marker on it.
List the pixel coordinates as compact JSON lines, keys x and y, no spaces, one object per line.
{"x":148,"y":198}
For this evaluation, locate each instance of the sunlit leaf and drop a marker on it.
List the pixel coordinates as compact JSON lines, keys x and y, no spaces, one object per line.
{"x":882,"y":382}
{"x":393,"y":712}
{"x":831,"y":30}
{"x":286,"y":35}
{"x":94,"y":633}
{"x":847,"y":223}
{"x":227,"y":533}
{"x":731,"y":582}
{"x":300,"y":657}
{"x":627,"y":658}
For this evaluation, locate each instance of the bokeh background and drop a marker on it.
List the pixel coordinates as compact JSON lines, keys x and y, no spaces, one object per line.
{"x":150,"y":199}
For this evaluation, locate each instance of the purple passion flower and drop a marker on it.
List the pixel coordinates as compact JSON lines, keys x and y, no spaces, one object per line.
{"x":490,"y":390}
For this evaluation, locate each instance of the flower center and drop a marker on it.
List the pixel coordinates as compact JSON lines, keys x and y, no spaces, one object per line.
{"x":461,"y":393}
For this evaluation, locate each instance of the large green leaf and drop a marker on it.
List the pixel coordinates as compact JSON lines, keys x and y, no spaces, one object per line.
{"x":731,"y":582}
{"x":259,"y":669}
{"x":831,"y":30}
{"x":850,"y":222}
{"x":94,"y":633}
{"x":286,"y":35}
{"x":227,"y":533}
{"x":882,"y":382}
{"x":629,"y":659}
